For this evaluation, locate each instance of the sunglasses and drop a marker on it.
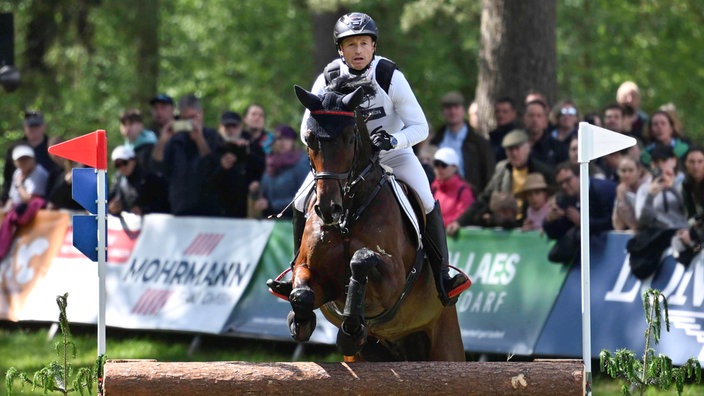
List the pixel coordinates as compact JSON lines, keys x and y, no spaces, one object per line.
{"x":120,"y":164}
{"x":568,"y":111}
{"x":439,"y":164}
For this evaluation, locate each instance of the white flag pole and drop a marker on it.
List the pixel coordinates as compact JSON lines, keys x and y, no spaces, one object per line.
{"x":593,"y":142}
{"x":102,"y":253}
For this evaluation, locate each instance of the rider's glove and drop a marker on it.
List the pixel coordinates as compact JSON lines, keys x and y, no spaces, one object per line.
{"x":382,"y":140}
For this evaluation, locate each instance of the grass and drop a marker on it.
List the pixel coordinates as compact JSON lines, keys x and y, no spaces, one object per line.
{"x":25,"y":347}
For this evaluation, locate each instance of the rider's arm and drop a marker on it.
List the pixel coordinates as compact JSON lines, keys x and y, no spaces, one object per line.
{"x":415,"y":126}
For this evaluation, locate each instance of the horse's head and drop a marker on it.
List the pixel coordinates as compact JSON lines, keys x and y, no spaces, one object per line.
{"x":338,"y":145}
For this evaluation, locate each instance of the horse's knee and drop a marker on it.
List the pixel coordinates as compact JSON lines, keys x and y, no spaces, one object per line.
{"x":362,"y":261}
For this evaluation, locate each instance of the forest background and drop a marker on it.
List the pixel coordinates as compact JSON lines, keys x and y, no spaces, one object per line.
{"x":84,"y":61}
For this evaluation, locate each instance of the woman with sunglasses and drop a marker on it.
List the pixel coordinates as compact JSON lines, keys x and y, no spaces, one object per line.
{"x":449,"y":189}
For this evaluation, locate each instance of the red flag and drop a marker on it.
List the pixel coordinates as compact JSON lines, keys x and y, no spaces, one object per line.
{"x":90,"y":149}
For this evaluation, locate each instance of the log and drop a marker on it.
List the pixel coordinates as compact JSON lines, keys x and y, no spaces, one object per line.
{"x":545,"y":377}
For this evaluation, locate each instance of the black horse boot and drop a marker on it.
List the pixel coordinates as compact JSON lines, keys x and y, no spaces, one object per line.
{"x":299,"y":224}
{"x":435,"y":243}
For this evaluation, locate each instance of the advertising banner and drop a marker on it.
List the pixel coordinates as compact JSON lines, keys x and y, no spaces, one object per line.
{"x":185,"y":273}
{"x":24,"y":270}
{"x":260,"y":314}
{"x":618,"y":319}
{"x":513,"y":288}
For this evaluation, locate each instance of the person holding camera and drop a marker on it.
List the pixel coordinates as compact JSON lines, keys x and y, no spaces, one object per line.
{"x":689,"y":240}
{"x":241,"y":163}
{"x":563,"y":221}
{"x":187,"y":156}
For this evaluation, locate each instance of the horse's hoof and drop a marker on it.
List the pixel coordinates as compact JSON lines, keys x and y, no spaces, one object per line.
{"x":349,"y":344}
{"x":300,"y":330}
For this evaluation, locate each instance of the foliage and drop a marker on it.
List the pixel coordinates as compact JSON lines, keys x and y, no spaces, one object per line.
{"x":655,"y":371}
{"x":55,"y":376}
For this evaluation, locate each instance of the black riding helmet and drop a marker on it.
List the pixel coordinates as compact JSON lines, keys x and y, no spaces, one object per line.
{"x":354,"y":24}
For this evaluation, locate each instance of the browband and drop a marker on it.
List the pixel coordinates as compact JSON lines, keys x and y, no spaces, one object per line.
{"x":332,"y":112}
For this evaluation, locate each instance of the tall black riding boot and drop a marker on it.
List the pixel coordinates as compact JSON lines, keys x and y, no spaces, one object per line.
{"x":299,"y":224}
{"x":435,"y":243}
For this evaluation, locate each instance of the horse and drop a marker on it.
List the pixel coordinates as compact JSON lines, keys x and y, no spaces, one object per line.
{"x":360,"y":260}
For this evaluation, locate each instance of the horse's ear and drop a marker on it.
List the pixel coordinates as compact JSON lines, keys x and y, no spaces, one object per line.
{"x":352,"y":100}
{"x":307,"y":99}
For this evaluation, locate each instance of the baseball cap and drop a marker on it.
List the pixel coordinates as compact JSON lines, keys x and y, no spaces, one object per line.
{"x":448,"y":156}
{"x":122,"y":153}
{"x":514,"y":138}
{"x":230,"y":118}
{"x":22,"y":151}
{"x":453,"y":98}
{"x":162,"y":98}
{"x":33,"y":118}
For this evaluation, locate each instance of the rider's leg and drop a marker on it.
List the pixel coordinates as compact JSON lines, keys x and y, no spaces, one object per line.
{"x":299,"y":224}
{"x":407,"y":168}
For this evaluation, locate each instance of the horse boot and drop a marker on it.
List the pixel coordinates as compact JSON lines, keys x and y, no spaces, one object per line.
{"x":299,"y":224}
{"x":435,"y":243}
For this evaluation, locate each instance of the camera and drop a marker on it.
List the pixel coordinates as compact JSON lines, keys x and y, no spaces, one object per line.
{"x":657,"y":172}
{"x":182,"y":126}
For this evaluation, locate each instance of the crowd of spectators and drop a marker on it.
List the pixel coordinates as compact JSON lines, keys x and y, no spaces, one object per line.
{"x":521,"y":175}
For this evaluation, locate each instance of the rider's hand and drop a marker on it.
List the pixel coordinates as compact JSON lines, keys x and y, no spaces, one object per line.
{"x":381,"y":139}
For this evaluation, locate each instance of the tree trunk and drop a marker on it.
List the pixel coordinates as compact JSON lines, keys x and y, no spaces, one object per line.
{"x":135,"y":378}
{"x":323,"y":46}
{"x":145,"y":24}
{"x":518,"y":53}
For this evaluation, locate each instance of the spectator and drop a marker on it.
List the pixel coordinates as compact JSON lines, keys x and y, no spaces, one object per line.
{"x":566,"y":118}
{"x":254,"y":124}
{"x":476,"y":162}
{"x":187,"y":156}
{"x":509,"y":177}
{"x":659,"y":203}
{"x":661,"y":131}
{"x":286,"y":168}
{"x":452,"y":193}
{"x":141,"y":140}
{"x":236,"y":139}
{"x":426,"y":156}
{"x":503,"y":211}
{"x":660,"y":214}
{"x":135,"y":190}
{"x":563,"y":221}
{"x":573,"y":152}
{"x":628,"y":93}
{"x":536,"y":193}
{"x":34,"y":136}
{"x":26,"y":195}
{"x":473,"y":116}
{"x":631,"y":176}
{"x":59,"y":186}
{"x":505,"y":115}
{"x":688,"y":242}
{"x":613,"y":118}
{"x":162,"y":112}
{"x":544,"y":147}
{"x":593,"y":118}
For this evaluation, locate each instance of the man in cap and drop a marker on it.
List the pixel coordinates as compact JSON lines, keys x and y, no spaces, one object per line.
{"x":36,"y":138}
{"x":509,"y":177}
{"x":162,"y":111}
{"x":476,"y":159}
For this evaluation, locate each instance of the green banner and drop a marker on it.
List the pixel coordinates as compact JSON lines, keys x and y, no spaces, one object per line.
{"x":513,"y":288}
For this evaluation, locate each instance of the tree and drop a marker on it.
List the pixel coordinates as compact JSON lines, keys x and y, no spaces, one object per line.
{"x":518,"y":53}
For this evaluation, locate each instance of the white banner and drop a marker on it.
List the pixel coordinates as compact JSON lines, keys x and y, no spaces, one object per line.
{"x":185,"y":273}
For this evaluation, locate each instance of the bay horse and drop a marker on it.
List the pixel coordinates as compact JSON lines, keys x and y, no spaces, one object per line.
{"x":360,"y":260}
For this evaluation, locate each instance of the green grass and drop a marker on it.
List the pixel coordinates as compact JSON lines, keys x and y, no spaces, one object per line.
{"x":26,"y":348}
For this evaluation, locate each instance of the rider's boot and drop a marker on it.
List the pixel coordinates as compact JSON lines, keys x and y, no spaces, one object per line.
{"x":284,"y":287}
{"x":435,"y":243}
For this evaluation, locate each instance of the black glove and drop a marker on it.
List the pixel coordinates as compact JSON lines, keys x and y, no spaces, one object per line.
{"x":381,"y":139}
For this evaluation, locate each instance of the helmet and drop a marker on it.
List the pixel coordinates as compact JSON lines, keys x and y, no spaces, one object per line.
{"x":354,"y":24}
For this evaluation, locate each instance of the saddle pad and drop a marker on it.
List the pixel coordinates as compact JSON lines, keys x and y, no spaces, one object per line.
{"x":406,"y":207}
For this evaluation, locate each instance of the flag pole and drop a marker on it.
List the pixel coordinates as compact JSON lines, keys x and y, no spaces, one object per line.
{"x":585,"y":140}
{"x":102,"y":253}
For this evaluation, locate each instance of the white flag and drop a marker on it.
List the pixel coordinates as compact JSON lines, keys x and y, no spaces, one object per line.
{"x":594,"y":142}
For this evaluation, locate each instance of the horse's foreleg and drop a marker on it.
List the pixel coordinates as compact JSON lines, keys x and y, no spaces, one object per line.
{"x":353,"y":332}
{"x":301,"y":321}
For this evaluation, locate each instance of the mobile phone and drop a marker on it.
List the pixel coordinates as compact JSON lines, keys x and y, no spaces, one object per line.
{"x":657,"y":172}
{"x":182,"y":126}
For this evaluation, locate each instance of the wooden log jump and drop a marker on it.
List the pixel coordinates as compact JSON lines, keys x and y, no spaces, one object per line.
{"x":541,"y":377}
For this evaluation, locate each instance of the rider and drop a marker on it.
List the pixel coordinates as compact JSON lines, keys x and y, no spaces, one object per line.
{"x":396,"y":122}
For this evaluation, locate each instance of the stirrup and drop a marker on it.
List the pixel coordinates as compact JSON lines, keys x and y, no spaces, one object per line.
{"x":454,"y":287}
{"x":280,"y":288}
